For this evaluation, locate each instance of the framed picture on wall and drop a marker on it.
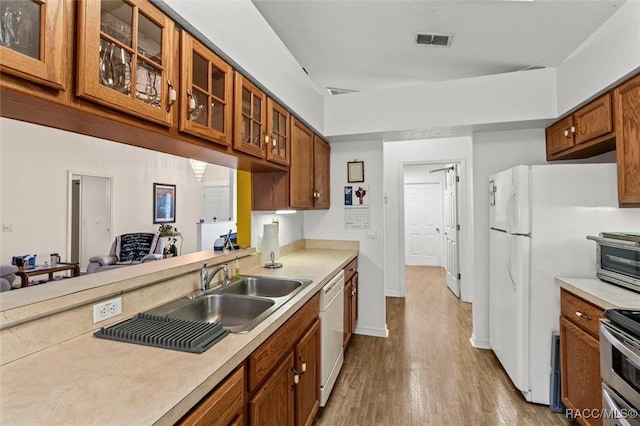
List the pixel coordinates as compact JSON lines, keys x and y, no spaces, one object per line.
{"x":164,"y":203}
{"x":355,"y":171}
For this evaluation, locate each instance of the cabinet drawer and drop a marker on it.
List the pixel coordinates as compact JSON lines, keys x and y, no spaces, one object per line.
{"x":582,"y":313}
{"x":350,"y":269}
{"x":223,"y":406}
{"x":263,"y":359}
{"x":559,"y":136}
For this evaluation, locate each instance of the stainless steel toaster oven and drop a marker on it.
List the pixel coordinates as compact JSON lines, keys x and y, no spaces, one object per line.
{"x":618,"y":258}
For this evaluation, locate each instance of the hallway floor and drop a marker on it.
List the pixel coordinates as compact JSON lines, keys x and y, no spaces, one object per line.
{"x":427,"y":372}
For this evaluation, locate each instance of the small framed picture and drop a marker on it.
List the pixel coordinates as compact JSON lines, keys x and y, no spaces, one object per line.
{"x":355,"y":171}
{"x":164,"y":203}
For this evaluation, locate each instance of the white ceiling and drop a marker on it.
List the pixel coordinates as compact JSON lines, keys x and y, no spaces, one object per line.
{"x":364,"y":45}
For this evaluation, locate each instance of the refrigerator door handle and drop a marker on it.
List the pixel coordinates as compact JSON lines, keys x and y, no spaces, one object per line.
{"x":513,"y":281}
{"x":512,"y":195}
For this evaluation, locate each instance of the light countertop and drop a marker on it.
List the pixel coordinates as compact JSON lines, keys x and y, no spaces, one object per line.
{"x":86,"y":380}
{"x":600,"y":293}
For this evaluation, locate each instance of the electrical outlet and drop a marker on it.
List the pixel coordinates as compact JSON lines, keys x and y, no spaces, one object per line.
{"x":106,"y":310}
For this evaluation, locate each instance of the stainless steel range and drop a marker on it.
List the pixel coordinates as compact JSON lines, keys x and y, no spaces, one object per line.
{"x":620,"y":367}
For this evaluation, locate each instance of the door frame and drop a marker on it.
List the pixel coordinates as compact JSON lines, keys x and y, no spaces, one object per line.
{"x":460,"y":162}
{"x":71,"y":174}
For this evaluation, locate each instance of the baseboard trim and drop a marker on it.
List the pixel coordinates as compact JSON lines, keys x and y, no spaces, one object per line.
{"x":480,"y":344}
{"x":392,"y":293}
{"x":371,"y":331}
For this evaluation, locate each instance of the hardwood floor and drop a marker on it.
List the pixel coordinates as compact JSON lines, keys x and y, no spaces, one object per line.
{"x":427,"y":372}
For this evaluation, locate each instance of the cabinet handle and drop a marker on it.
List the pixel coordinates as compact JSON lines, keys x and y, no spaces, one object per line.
{"x":353,"y":292}
{"x":192,"y":104}
{"x":296,"y":376}
{"x":352,"y":269}
{"x":573,"y":130}
{"x":173,"y":95}
{"x":566,"y":133}
{"x":583,"y":316}
{"x":304,"y":365}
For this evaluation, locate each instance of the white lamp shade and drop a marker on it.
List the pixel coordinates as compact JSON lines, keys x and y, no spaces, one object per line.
{"x":198,"y":168}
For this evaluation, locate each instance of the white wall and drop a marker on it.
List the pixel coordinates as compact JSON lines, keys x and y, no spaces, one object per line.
{"x":493,"y":152}
{"x":609,"y":54}
{"x":291,"y":227}
{"x":396,"y":156}
{"x":239,"y":30}
{"x":329,"y":224}
{"x":34,"y":167}
{"x":503,"y":98}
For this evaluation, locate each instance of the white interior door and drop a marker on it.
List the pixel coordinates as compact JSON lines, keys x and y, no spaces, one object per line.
{"x":94,"y":221}
{"x":423,"y":224}
{"x":451,"y":229}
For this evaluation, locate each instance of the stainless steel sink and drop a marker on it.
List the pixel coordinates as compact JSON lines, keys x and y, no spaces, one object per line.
{"x":263,"y":286}
{"x":238,"y":306}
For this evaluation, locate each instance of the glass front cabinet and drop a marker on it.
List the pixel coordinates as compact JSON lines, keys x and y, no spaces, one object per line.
{"x":125,"y":57}
{"x":277,"y":133}
{"x":31,"y":36}
{"x":206,"y":83}
{"x":250,"y":121}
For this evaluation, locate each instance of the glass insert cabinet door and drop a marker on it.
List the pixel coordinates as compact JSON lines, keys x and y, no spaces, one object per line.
{"x":250,"y":117}
{"x":206,"y":85}
{"x":32,"y":40}
{"x":278,"y":133}
{"x":125,"y":57}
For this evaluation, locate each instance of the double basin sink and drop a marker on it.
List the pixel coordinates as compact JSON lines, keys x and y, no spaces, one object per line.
{"x":238,"y":306}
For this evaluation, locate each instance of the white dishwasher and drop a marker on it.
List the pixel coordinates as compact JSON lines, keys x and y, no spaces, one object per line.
{"x":332,"y":334}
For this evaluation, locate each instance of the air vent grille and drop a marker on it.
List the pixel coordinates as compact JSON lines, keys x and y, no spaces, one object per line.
{"x":433,"y":39}
{"x":336,"y":91}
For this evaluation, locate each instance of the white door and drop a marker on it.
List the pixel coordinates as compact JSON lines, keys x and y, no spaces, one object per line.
{"x":451,"y":230}
{"x":94,"y":221}
{"x":423,"y":222}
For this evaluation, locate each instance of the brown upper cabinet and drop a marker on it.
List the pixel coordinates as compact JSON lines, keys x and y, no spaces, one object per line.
{"x":125,"y":57}
{"x":278,"y":133}
{"x":250,"y":121}
{"x":627,"y":104}
{"x":206,"y":86}
{"x":588,"y":131}
{"x":321,"y":158}
{"x":31,"y":40}
{"x":309,"y":169}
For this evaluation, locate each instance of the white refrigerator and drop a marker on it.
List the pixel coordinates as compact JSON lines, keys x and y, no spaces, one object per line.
{"x":539,"y":218}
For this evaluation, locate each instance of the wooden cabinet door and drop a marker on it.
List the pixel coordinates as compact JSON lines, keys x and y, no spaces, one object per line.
{"x":273,"y":403}
{"x":580,"y":370}
{"x":206,"y":88}
{"x":32,"y":45}
{"x":321,"y":163}
{"x":301,"y":167}
{"x":354,"y":303}
{"x":559,"y":137}
{"x":250,"y":113}
{"x":627,"y":101}
{"x":307,"y":364}
{"x":270,"y":191}
{"x":125,"y":57}
{"x":278,"y":133}
{"x":593,"y":120}
{"x":223,"y":407}
{"x":348,"y":306}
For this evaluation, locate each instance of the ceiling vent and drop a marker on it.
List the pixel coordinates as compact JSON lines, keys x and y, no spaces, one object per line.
{"x":336,"y":91}
{"x":433,"y":39}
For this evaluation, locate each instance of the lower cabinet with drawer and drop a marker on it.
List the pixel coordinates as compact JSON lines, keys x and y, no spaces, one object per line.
{"x":284,"y":372}
{"x":580,"y":356}
{"x":224,"y":406}
{"x":350,"y":300}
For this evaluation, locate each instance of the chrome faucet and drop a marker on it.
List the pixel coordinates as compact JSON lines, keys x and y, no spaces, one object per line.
{"x":207,"y":276}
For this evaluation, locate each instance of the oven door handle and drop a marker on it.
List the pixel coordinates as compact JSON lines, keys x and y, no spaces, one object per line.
{"x":620,"y":418}
{"x":613,"y":241}
{"x":617,"y":341}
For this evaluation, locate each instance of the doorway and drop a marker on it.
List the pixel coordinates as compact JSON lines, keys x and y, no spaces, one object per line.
{"x":90,"y":217}
{"x":431,"y":220}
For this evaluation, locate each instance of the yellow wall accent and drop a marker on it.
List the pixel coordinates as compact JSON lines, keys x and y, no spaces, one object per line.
{"x":244,"y":208}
